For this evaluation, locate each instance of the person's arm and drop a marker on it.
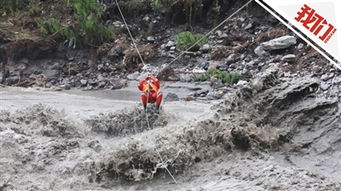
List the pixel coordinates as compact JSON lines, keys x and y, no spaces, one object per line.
{"x":140,"y":85}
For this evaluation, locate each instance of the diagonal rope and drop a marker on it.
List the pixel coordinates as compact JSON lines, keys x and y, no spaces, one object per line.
{"x":205,"y":36}
{"x":215,"y":28}
{"x":162,"y":161}
{"x":131,"y":36}
{"x":133,"y":40}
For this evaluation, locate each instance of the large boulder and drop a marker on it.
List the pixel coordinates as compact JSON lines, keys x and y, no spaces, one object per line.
{"x":279,"y":43}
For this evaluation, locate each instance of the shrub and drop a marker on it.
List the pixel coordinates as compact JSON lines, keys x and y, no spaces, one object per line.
{"x":229,"y":78}
{"x":88,"y":24}
{"x":52,"y":26}
{"x":88,"y":15}
{"x":185,"y":40}
{"x":13,"y":5}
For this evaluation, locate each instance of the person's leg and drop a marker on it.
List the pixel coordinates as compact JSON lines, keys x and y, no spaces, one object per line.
{"x":158,"y":99}
{"x":144,"y":100}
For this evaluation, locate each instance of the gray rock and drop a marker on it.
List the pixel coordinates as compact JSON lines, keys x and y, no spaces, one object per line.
{"x":248,"y":26}
{"x":232,"y":58}
{"x":150,"y":39}
{"x":215,"y":95}
{"x":100,"y":78}
{"x":213,"y":65}
{"x":325,"y":86}
{"x":55,"y":66}
{"x":170,"y":44}
{"x":117,"y":24}
{"x":186,"y":77}
{"x":224,"y":35}
{"x":241,"y":83}
{"x":200,"y":93}
{"x":92,"y":82}
{"x":172,"y":97}
{"x":300,"y":46}
{"x":51,"y":74}
{"x":133,"y":76}
{"x":12,"y":79}
{"x":102,"y":84}
{"x":205,"y":48}
{"x":259,"y":51}
{"x":118,"y":83}
{"x":219,"y":33}
{"x":325,"y":77}
{"x":84,"y":82}
{"x":289,"y":58}
{"x":279,"y":43}
{"x":337,"y":80}
{"x":115,"y":52}
{"x":216,"y":83}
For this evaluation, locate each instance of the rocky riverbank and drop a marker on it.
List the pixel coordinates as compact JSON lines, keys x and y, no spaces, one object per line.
{"x":276,"y":127}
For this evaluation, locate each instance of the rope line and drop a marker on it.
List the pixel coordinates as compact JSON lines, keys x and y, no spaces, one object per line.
{"x":138,"y":52}
{"x":215,"y":28}
{"x":131,"y":36}
{"x":162,"y":161}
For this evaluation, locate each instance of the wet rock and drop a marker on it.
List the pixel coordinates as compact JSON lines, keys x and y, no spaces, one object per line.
{"x":205,"y":48}
{"x":219,"y":33}
{"x":186,"y":77}
{"x":84,"y":82}
{"x":170,"y":44}
{"x":300,"y":46}
{"x":216,"y":82}
{"x":115,"y":52}
{"x":217,"y":94}
{"x":259,"y":51}
{"x":325,"y":86}
{"x":326,"y":77}
{"x":242,"y":83}
{"x":172,"y":97}
{"x":51,"y":74}
{"x":11,"y":80}
{"x":133,"y":76}
{"x":232,"y":58}
{"x":289,"y":58}
{"x":337,"y":80}
{"x":200,"y":93}
{"x":249,"y":26}
{"x":213,"y":65}
{"x":150,"y":39}
{"x":65,"y":86}
{"x":279,"y":43}
{"x":118,"y":83}
{"x":102,"y":84}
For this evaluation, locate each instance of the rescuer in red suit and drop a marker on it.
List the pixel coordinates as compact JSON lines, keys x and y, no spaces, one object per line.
{"x":150,"y":92}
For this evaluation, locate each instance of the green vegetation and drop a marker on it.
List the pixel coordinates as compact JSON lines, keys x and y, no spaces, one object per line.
{"x":10,"y":6}
{"x":88,"y":15}
{"x":53,"y":26}
{"x":189,"y":10}
{"x":88,"y":26}
{"x":156,"y":4}
{"x":229,"y":78}
{"x":186,"y":39}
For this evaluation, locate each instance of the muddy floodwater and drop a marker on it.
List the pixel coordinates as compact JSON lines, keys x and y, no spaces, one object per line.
{"x":280,"y":136}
